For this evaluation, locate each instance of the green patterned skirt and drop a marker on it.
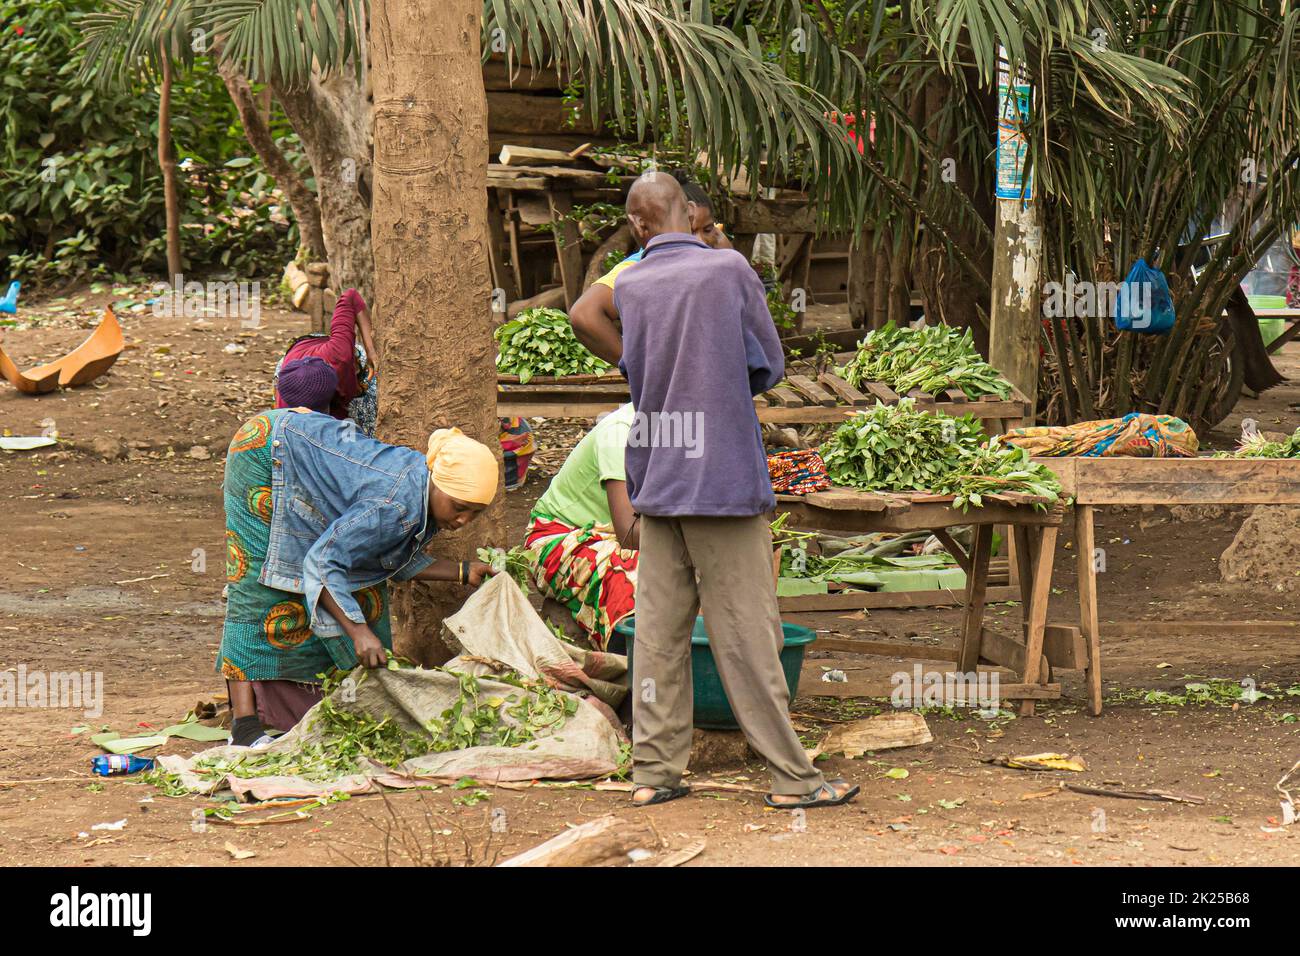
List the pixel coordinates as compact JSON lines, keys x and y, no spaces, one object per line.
{"x":267,"y":634}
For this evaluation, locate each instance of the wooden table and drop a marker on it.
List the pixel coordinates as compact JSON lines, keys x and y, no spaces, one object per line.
{"x":1033,"y":653}
{"x":805,"y":397}
{"x":1292,"y":317}
{"x":1094,"y":482}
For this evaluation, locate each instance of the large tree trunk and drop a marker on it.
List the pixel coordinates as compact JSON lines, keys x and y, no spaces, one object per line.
{"x":167,"y":160}
{"x":429,"y":229}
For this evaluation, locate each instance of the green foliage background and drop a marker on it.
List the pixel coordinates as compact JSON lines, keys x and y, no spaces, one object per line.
{"x":100,"y":209}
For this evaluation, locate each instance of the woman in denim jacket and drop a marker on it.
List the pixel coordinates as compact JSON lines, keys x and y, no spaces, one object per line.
{"x":318,"y":519}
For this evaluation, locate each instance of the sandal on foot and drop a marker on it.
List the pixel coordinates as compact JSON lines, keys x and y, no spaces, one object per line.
{"x":823,"y":796}
{"x":660,"y":795}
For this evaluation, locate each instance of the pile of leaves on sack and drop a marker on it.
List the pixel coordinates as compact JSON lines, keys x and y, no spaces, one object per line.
{"x":932,"y":358}
{"x":898,"y":448}
{"x":541,"y":342}
{"x":350,"y":737}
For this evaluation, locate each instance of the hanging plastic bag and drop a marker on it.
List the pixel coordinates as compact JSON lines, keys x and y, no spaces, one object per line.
{"x":1144,"y":303}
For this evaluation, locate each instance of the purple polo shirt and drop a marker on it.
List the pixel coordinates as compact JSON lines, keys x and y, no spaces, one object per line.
{"x":698,"y":344}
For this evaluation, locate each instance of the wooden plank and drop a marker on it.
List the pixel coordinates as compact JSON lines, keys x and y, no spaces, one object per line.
{"x":612,"y":377}
{"x":882,"y":392}
{"x":1084,"y":543}
{"x":516,"y":183}
{"x":784,"y":397}
{"x":1004,"y":651}
{"x":880,"y":688}
{"x":918,"y":517}
{"x":1174,"y":481}
{"x":568,"y":245}
{"x":543,"y":409}
{"x":814,"y":392}
{"x":911,"y":651}
{"x":1044,"y":554}
{"x":953,"y":548}
{"x":846,"y":499}
{"x":973,"y":611}
{"x":1228,"y":628}
{"x":846,"y":392}
{"x":874,"y":600}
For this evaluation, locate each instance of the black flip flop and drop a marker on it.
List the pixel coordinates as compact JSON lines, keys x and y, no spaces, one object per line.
{"x":661,"y":794}
{"x":815,"y":799}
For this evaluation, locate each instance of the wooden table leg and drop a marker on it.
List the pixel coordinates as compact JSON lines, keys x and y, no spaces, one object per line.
{"x":972,"y":625}
{"x":1041,"y":594}
{"x":1084,"y":543}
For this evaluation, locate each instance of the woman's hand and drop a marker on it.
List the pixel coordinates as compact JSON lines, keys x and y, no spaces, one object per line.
{"x":370,"y":651}
{"x":478,"y":571}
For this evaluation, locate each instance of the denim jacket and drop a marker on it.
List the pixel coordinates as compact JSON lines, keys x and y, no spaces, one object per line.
{"x":347,"y":512}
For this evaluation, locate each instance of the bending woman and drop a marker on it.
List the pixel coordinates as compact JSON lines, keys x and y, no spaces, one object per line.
{"x":318,"y":520}
{"x":585,"y":535}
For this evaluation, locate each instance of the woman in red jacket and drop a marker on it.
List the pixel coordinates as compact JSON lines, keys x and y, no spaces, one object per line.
{"x":353,"y":361}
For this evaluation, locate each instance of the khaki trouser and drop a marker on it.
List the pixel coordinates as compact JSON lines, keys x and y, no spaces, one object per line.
{"x":724,"y":566}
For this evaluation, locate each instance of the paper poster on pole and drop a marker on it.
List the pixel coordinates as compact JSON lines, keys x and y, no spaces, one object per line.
{"x":1013,"y":111}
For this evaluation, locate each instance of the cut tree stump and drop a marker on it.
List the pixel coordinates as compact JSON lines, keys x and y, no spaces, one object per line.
{"x":605,"y":841}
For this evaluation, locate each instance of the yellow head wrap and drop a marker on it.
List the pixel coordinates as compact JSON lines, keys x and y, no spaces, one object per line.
{"x":462,"y":467}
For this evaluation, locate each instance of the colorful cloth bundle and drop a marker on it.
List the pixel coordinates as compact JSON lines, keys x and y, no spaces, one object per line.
{"x":517,"y":447}
{"x":797,"y":472}
{"x":1133,"y":436}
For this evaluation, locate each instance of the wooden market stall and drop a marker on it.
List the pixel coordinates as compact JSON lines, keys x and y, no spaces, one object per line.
{"x":1032,"y":653}
{"x":1099,"y":482}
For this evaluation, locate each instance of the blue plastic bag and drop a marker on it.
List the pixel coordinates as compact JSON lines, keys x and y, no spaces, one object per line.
{"x":1144,"y":303}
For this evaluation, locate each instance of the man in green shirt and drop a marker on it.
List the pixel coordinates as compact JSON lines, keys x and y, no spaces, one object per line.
{"x":585,"y":535}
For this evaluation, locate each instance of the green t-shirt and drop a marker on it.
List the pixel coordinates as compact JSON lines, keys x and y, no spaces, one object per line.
{"x":576,"y":495}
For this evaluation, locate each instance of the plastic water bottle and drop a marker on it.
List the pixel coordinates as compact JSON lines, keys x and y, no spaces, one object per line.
{"x":109,"y":764}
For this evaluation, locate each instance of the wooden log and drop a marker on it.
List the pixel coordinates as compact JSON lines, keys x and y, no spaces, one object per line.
{"x":605,"y":841}
{"x":532,"y":156}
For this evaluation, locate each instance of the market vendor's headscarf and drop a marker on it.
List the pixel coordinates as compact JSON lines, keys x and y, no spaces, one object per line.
{"x":463,"y":468}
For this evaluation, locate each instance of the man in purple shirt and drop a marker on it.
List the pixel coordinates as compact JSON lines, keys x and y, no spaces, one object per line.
{"x":697,"y":344}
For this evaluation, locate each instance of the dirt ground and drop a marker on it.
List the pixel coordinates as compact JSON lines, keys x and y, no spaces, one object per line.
{"x":115,"y":563}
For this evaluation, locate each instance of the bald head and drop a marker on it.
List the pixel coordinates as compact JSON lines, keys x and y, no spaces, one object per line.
{"x":655,"y":205}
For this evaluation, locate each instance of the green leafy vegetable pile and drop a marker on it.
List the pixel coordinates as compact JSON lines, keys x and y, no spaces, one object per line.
{"x":1257,"y":446}
{"x":932,"y":358}
{"x":541,"y":342}
{"x":898,"y":448}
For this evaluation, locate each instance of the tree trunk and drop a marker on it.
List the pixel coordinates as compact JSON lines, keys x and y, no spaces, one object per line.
{"x":429,"y":230}
{"x":306,"y":210}
{"x":332,"y":117}
{"x":167,"y":160}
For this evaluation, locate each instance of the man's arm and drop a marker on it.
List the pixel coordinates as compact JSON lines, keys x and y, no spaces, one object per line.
{"x":594,"y":319}
{"x":626,"y":524}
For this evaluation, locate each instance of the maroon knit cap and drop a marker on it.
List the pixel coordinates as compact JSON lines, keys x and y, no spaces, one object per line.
{"x":308,"y":383}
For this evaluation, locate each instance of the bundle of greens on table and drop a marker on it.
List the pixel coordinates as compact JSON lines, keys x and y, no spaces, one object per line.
{"x":541,"y":342}
{"x":1259,"y":446}
{"x":898,"y":448}
{"x":932,"y":358}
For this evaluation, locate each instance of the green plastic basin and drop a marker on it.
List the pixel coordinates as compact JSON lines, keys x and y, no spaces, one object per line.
{"x":712,"y":709}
